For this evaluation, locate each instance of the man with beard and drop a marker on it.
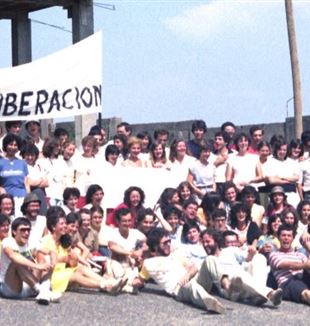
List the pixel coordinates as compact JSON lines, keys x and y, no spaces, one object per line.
{"x":223,"y":269}
{"x":174,"y":274}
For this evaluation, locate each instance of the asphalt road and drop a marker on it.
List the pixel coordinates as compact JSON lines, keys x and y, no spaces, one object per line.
{"x":151,"y":307}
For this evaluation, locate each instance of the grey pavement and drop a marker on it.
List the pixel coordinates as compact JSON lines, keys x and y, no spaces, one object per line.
{"x":151,"y":307}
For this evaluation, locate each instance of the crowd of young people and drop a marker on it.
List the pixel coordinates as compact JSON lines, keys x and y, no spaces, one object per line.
{"x":236,"y":222}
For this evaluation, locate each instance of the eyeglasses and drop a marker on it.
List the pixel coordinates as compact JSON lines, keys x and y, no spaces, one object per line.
{"x":23,"y":230}
{"x":166,"y":243}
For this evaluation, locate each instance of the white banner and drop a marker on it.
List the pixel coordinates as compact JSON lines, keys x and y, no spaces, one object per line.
{"x":64,"y":84}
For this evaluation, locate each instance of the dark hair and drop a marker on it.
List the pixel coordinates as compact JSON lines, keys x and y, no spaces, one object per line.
{"x":210,"y":201}
{"x":8,"y":196}
{"x":128,"y":193}
{"x":199,"y":124}
{"x":239,"y":137}
{"x":205,"y":147}
{"x":60,"y":132}
{"x":143,"y":212}
{"x":123,"y":140}
{"x":169,"y":210}
{"x":65,"y":241}
{"x":223,"y":134}
{"x":173,"y":148}
{"x":181,"y":186}
{"x":126,"y":125}
{"x":142,"y":135}
{"x":190,"y":224}
{"x":4,"y":219}
{"x":216,"y":235}
{"x":10,"y":138}
{"x":277,"y":145}
{"x":274,"y":139}
{"x":292,"y":210}
{"x":154,"y":237}
{"x":219,"y":212}
{"x":227,"y":124}
{"x":249,"y":190}
{"x":111,"y":149}
{"x":272,"y":218}
{"x":53,"y":215}
{"x":165,"y":197}
{"x":263,"y":143}
{"x":228,"y":233}
{"x":29,"y":148}
{"x":305,"y":137}
{"x":239,"y":207}
{"x":227,"y":185}
{"x":190,"y":201}
{"x":92,"y":189}
{"x":49,"y":146}
{"x":18,"y":222}
{"x":121,"y":212}
{"x":9,"y":124}
{"x":295,"y":143}
{"x":72,"y":218}
{"x":160,"y":132}
{"x":91,"y":140}
{"x":286,"y":227}
{"x":301,"y":205}
{"x":152,"y":149}
{"x":68,"y":192}
{"x":255,"y":128}
{"x":95,"y":131}
{"x":96,"y":209}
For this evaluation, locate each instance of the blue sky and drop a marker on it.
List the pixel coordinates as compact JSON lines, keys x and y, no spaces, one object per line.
{"x":182,"y":60}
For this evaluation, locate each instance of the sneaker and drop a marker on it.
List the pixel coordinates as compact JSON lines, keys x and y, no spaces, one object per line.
{"x":276,"y":297}
{"x":55,"y":296}
{"x":112,"y":286}
{"x":43,"y":298}
{"x":214,"y":305}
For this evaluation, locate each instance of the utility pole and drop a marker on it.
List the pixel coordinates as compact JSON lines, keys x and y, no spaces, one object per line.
{"x":295,"y":68}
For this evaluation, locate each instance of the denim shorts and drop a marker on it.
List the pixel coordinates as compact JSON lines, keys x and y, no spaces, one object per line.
{"x":7,"y":292}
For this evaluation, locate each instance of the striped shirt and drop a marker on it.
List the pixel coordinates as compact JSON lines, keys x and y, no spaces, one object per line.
{"x":278,"y":257}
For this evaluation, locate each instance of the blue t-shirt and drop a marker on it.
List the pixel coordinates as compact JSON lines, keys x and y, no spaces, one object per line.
{"x":12,"y":176}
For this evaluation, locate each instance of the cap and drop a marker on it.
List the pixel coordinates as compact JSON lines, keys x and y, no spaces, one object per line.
{"x":31,"y":198}
{"x":36,"y":121}
{"x":277,"y":189}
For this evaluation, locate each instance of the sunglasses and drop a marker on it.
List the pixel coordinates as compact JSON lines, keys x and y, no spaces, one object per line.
{"x":23,"y":230}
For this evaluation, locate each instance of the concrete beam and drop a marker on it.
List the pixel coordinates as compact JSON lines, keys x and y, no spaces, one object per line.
{"x":82,"y":14}
{"x":21,"y":39}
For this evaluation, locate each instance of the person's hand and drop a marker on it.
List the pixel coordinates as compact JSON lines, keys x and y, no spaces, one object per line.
{"x":44,"y":267}
{"x":266,"y":248}
{"x":184,"y":280}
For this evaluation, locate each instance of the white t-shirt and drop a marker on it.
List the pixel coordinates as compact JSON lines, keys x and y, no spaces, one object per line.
{"x":244,"y":167}
{"x":5,"y":261}
{"x":37,"y":229}
{"x":128,"y":243}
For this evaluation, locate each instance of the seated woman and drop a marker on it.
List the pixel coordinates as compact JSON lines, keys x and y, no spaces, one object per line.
{"x":158,"y":157}
{"x":7,"y":206}
{"x":66,"y":269}
{"x":230,"y":194}
{"x":209,"y":203}
{"x":185,"y":191}
{"x":250,"y":196}
{"x":133,"y":200}
{"x":112,"y":153}
{"x":94,"y":196}
{"x":269,"y":242}
{"x":70,"y":199}
{"x":120,"y":141}
{"x":303,"y":210}
{"x":133,"y":159}
{"x":289,"y":216}
{"x":201,"y":174}
{"x":241,"y":223}
{"x":192,"y":246}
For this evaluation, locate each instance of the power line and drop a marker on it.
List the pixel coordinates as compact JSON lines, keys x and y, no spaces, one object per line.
{"x":51,"y":25}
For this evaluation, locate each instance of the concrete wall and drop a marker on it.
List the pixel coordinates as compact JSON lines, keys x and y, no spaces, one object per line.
{"x":182,"y":129}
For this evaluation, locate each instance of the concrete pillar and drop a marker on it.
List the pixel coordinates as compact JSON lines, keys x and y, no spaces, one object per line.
{"x":82,"y":14}
{"x":21,"y":39}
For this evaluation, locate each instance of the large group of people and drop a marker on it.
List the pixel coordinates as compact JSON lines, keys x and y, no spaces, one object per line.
{"x":234,"y":223}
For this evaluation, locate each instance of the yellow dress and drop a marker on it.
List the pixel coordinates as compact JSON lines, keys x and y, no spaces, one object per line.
{"x":61,"y":274}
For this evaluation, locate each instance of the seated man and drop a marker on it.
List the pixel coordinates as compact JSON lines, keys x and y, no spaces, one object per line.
{"x":219,"y":220}
{"x":291,"y":268}
{"x":126,"y":245}
{"x":20,"y":275}
{"x":222,"y":268}
{"x":174,"y":274}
